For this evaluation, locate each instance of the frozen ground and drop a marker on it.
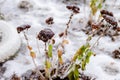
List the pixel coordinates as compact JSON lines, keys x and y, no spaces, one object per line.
{"x":8,"y":34}
{"x":102,"y":66}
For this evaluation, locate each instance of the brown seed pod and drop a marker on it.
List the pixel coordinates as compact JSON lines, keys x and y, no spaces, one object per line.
{"x":106,"y":12}
{"x":45,"y":35}
{"x":110,"y":20}
{"x":49,"y":21}
{"x":75,"y":9}
{"x":23,"y":27}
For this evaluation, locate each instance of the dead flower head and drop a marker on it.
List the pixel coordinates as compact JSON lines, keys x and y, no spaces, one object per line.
{"x":49,"y":21}
{"x":22,"y":28}
{"x":75,"y":9}
{"x":45,"y":35}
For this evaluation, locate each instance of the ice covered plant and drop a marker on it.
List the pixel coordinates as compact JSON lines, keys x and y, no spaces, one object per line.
{"x":75,"y":10}
{"x":82,"y":56}
{"x":110,"y":19}
{"x":20,"y":29}
{"x":46,"y":35}
{"x":79,"y":61}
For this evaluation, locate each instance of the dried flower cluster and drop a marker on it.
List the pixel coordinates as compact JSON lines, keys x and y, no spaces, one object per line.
{"x":108,"y":16}
{"x":116,"y":54}
{"x":49,"y":21}
{"x":75,"y":9}
{"x":23,"y":27}
{"x":106,"y":12}
{"x":45,"y":35}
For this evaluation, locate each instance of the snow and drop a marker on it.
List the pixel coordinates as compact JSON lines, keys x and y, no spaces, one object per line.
{"x":102,"y":66}
{"x":10,"y":42}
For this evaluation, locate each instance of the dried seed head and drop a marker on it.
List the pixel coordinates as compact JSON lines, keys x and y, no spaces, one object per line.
{"x":22,"y":28}
{"x":116,"y":54}
{"x":45,"y":35}
{"x":106,"y":12}
{"x":110,"y":20}
{"x":19,"y":29}
{"x":75,"y":9}
{"x":61,"y":34}
{"x":49,"y":21}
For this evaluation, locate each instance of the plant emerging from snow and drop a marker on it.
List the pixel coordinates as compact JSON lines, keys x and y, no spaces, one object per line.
{"x":82,"y":56}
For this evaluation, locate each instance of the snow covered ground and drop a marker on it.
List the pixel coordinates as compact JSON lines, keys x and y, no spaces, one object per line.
{"x":102,"y":66}
{"x":9,"y":36}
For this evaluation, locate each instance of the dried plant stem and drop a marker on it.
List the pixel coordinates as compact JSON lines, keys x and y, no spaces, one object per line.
{"x":96,"y":41}
{"x":99,"y":38}
{"x":46,"y":54}
{"x":68,"y":70}
{"x":41,"y":76}
{"x":26,"y":38}
{"x":37,"y":70}
{"x":68,"y":24}
{"x":38,"y":45}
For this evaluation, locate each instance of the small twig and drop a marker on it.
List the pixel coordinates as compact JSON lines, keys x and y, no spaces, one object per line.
{"x":68,"y":24}
{"x":38,"y":45}
{"x":96,"y":42}
{"x":26,"y":38}
{"x":37,"y":70}
{"x":41,"y":76}
{"x":99,"y":37}
{"x":68,"y":70}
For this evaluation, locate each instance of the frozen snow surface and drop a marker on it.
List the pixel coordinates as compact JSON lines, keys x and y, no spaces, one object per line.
{"x":102,"y":66}
{"x":10,"y":41}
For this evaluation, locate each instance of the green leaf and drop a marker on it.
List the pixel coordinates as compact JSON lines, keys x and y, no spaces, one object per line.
{"x":83,"y":65}
{"x":47,"y":64}
{"x":50,"y":50}
{"x":95,"y":5}
{"x":88,"y":56}
{"x":71,"y":76}
{"x":76,"y":73}
{"x":80,"y":53}
{"x":99,"y":6}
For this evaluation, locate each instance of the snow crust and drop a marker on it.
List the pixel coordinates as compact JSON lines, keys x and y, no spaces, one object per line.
{"x":10,"y":42}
